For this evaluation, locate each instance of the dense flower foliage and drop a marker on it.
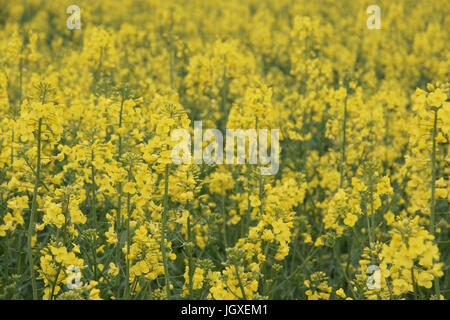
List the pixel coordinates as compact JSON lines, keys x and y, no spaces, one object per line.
{"x":92,"y":206}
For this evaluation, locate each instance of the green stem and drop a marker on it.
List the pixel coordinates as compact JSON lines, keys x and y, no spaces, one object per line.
{"x":261,"y":198}
{"x":163,"y":231}
{"x":127,"y":286}
{"x":368,"y":228}
{"x":190,"y":261}
{"x":224,"y":217}
{"x":12,"y":148}
{"x":372,"y":213}
{"x":119,"y":205}
{"x":414,"y":284}
{"x":171,"y":54}
{"x":386,"y":138}
{"x":6,"y":262}
{"x":312,"y":252}
{"x":93,"y":210}
{"x":120,"y":187}
{"x":54,"y":283}
{"x":94,"y":215}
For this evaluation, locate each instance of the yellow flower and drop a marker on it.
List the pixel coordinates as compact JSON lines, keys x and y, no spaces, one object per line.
{"x":436,"y":98}
{"x":53,"y":215}
{"x":384,"y":186}
{"x":350,"y":219}
{"x":340,"y":292}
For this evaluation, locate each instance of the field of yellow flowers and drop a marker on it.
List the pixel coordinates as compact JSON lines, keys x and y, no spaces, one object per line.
{"x":92,"y":207}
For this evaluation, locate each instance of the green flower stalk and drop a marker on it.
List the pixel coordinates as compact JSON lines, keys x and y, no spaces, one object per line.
{"x":163,"y":231}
